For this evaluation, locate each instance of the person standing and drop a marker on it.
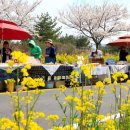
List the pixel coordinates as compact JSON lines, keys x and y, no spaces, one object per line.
{"x":95,"y":53}
{"x":6,"y":52}
{"x":123,"y":53}
{"x":50,"y":52}
{"x":35,"y":50}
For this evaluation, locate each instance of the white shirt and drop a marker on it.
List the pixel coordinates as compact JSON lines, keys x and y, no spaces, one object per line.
{"x":98,"y":55}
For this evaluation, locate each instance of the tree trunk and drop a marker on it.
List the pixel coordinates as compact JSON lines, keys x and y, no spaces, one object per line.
{"x":97,"y":45}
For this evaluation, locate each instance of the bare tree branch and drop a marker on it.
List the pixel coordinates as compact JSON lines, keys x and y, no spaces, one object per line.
{"x":96,"y":22}
{"x":19,"y":11}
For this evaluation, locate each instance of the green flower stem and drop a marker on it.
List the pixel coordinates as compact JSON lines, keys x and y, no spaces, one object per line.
{"x":18,"y":109}
{"x":31,"y":109}
{"x":81,"y":114}
{"x":27,"y":111}
{"x":119,"y":107}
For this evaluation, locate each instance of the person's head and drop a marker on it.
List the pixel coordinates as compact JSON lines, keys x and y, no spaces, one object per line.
{"x":31,"y":44}
{"x":5,"y":44}
{"x":49,"y":43}
{"x":123,"y":48}
{"x":94,"y":50}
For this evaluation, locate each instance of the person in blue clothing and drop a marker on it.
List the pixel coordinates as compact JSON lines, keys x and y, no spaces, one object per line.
{"x":50,"y":53}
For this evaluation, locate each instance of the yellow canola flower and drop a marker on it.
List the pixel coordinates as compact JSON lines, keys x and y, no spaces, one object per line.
{"x":128,"y":81}
{"x":28,"y":66}
{"x":77,"y":120}
{"x":115,"y":83}
{"x":113,"y":89}
{"x":89,"y":105}
{"x":88,"y":92}
{"x":119,"y":76}
{"x":57,"y":128}
{"x":28,"y":99}
{"x":77,"y":100}
{"x":62,"y":88}
{"x":24,"y":71}
{"x":64,"y":103}
{"x":25,"y":74}
{"x":81,"y":108}
{"x":6,"y":123}
{"x":125,"y":76}
{"x":87,"y":70}
{"x":37,"y":91}
{"x":29,"y":82}
{"x":18,"y":115}
{"x":125,"y":107}
{"x":39,"y":82}
{"x":23,"y":98}
{"x":110,"y":125}
{"x":91,"y":128}
{"x":36,"y":115}
{"x":68,"y":127}
{"x":69,"y":98}
{"x":74,"y":74}
{"x":15,"y":98}
{"x":52,"y":117}
{"x":124,"y":87}
{"x":32,"y":83}
{"x":34,"y":126}
{"x":100,"y":117}
{"x":10,"y":63}
{"x":99,"y":84}
{"x":19,"y":56}
{"x":9,"y":70}
{"x":107,"y":81}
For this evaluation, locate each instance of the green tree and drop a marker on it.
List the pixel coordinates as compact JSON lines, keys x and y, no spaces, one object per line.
{"x":46,"y":27}
{"x":67,"y":39}
{"x":77,"y":41}
{"x":82,"y":41}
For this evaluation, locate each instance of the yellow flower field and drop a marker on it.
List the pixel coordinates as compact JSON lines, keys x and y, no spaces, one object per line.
{"x":83,"y":104}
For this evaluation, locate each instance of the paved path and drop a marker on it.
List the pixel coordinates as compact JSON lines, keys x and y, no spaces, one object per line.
{"x":48,"y":104}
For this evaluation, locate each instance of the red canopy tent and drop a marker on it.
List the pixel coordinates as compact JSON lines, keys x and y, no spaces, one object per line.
{"x":11,"y":31}
{"x":120,"y":42}
{"x":124,"y":37}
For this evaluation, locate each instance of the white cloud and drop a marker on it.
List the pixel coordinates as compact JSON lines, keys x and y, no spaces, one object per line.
{"x":53,"y":6}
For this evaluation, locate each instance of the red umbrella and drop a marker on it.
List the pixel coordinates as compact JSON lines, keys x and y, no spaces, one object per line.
{"x":11,"y":31}
{"x":120,"y":42}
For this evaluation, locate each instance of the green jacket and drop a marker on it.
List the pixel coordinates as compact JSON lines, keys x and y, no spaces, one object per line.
{"x":36,"y":50}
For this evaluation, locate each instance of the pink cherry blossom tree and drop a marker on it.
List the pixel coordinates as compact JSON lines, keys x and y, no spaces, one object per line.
{"x":97,"y":22}
{"x":19,"y":11}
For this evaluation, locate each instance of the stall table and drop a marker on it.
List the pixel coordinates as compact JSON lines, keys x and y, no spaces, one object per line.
{"x":119,"y":68}
{"x":50,"y":70}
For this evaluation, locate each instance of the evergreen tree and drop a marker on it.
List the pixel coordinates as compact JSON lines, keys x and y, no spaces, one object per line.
{"x":67,"y":39}
{"x":82,"y":41}
{"x":46,"y":27}
{"x":77,"y":41}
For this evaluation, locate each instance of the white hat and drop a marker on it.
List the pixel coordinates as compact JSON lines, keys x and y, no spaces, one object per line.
{"x":93,"y":49}
{"x":49,"y":41}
